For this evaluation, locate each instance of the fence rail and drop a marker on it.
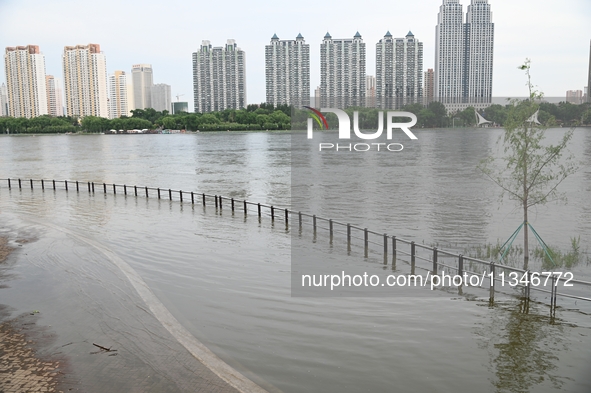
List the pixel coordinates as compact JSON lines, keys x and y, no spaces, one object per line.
{"x":388,"y":244}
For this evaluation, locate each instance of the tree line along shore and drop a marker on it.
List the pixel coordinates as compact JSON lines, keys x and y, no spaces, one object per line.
{"x":283,"y":117}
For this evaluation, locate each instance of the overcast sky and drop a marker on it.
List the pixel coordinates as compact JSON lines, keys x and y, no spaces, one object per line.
{"x":554,"y":34}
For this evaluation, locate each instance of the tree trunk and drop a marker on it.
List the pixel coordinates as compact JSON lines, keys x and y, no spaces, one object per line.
{"x":525,"y":237}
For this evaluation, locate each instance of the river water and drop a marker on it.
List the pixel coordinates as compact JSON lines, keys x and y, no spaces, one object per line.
{"x":226,"y":277}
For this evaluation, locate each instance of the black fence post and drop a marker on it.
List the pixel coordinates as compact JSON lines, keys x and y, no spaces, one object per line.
{"x":104,"y":188}
{"x":9,"y":187}
{"x":181,"y":195}
{"x":272,"y":213}
{"x":245,"y":207}
{"x":412,"y":257}
{"x":92,"y":184}
{"x":286,"y":217}
{"x":385,"y":244}
{"x":192,"y":198}
{"x":434,"y":260}
{"x":349,"y":237}
{"x":492,"y":281}
{"x":146,"y":192}
{"x":300,"y":219}
{"x":460,"y":265}
{"x":125,"y":189}
{"x":53,"y":181}
{"x":314,"y":223}
{"x":135,"y":190}
{"x":220,"y":198}
{"x":216,"y":201}
{"x":65,"y":183}
{"x":259,"y":207}
{"x":158,"y":193}
{"x":43,"y":185}
{"x":365,"y":242}
{"x":88,"y":187}
{"x":203,"y":199}
{"x":232,"y":204}
{"x":77,"y":187}
{"x":19,"y":183}
{"x":170,"y":194}
{"x":330,"y":229}
{"x":31,"y":180}
{"x":114,"y":189}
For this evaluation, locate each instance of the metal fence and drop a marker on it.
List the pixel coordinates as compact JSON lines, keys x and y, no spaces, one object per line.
{"x":495,"y":277}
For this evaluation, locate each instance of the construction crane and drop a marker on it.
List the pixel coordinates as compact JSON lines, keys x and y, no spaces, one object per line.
{"x":177,"y":96}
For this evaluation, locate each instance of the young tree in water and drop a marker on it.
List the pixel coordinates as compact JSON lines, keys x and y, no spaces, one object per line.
{"x":531,"y":170}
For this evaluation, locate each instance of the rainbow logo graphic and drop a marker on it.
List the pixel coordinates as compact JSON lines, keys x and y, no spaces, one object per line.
{"x":320,"y":119}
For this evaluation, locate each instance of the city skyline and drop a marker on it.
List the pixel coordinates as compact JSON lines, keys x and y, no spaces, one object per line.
{"x":169,"y":49}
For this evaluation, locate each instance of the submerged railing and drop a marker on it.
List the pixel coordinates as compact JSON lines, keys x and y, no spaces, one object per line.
{"x":436,"y":260}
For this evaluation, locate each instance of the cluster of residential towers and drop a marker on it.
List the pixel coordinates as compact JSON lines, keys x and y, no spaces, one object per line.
{"x":462,"y":76}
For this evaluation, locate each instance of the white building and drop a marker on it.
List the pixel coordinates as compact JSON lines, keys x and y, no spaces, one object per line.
{"x":85,"y":81}
{"x":219,"y":77}
{"x":342,"y":72}
{"x":142,"y":77}
{"x":26,"y":91}
{"x":399,"y":71}
{"x":55,"y":102}
{"x":287,"y":71}
{"x":464,"y":55}
{"x":161,"y":97}
{"x":3,"y":100}
{"x":118,"y":104}
{"x":370,"y":91}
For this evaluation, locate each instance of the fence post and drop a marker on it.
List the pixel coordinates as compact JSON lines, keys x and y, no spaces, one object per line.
{"x":232,"y":201}
{"x":192,"y":198}
{"x":245,"y":207}
{"x":330,"y":229}
{"x":89,"y":187}
{"x":170,"y":194}
{"x":492,"y":282}
{"x":385,"y":244}
{"x":216,"y":201}
{"x":77,"y":188}
{"x":9,"y":184}
{"x":125,"y":189}
{"x":366,"y":241}
{"x":349,"y":237}
{"x":92,"y":184}
{"x":65,"y":183}
{"x":286,"y":217}
{"x":272,"y":213}
{"x":43,"y":184}
{"x":553,"y":293}
{"x":203,"y":199}
{"x":412,"y":257}
{"x":158,"y":193}
{"x":181,"y":195}
{"x":259,"y":207}
{"x":394,"y":248}
{"x":434,"y":260}
{"x":31,"y":180}
{"x":146,"y":191}
{"x":104,"y":188}
{"x":300,"y":219}
{"x":19,"y":183}
{"x":314,"y":223}
{"x":528,"y":286}
{"x":114,"y":189}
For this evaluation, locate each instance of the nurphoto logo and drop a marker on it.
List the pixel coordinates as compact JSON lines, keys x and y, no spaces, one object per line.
{"x":345,"y":129}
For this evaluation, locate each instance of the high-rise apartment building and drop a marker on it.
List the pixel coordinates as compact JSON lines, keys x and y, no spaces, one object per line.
{"x":370,"y":91}
{"x":219,"y":77}
{"x":85,"y":81}
{"x":429,"y":88}
{"x":142,"y":79}
{"x":25,"y":77}
{"x":399,"y":71}
{"x":118,"y":104}
{"x":574,"y":96}
{"x":55,"y":102}
{"x":342,"y":72}
{"x":287,"y":71}
{"x":464,"y":54}
{"x":161,"y":97}
{"x":589,"y":77}
{"x":3,"y":100}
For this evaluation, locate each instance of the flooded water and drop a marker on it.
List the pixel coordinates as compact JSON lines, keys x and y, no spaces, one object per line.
{"x":226,"y":277}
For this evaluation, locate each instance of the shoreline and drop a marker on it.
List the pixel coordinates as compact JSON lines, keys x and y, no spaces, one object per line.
{"x":21,"y":368}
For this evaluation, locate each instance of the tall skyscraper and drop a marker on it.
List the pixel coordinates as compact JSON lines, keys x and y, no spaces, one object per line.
{"x":219,"y":77}
{"x":141,"y":75}
{"x":55,"y":102}
{"x":589,"y":77}
{"x":3,"y":100}
{"x":85,"y":81}
{"x":25,"y":77}
{"x":287,"y":71}
{"x":399,"y":71}
{"x":342,"y":72}
{"x":161,"y":99}
{"x":464,"y":54}
{"x":118,"y":104}
{"x":479,"y":47}
{"x":370,"y":91}
{"x":429,"y":88}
